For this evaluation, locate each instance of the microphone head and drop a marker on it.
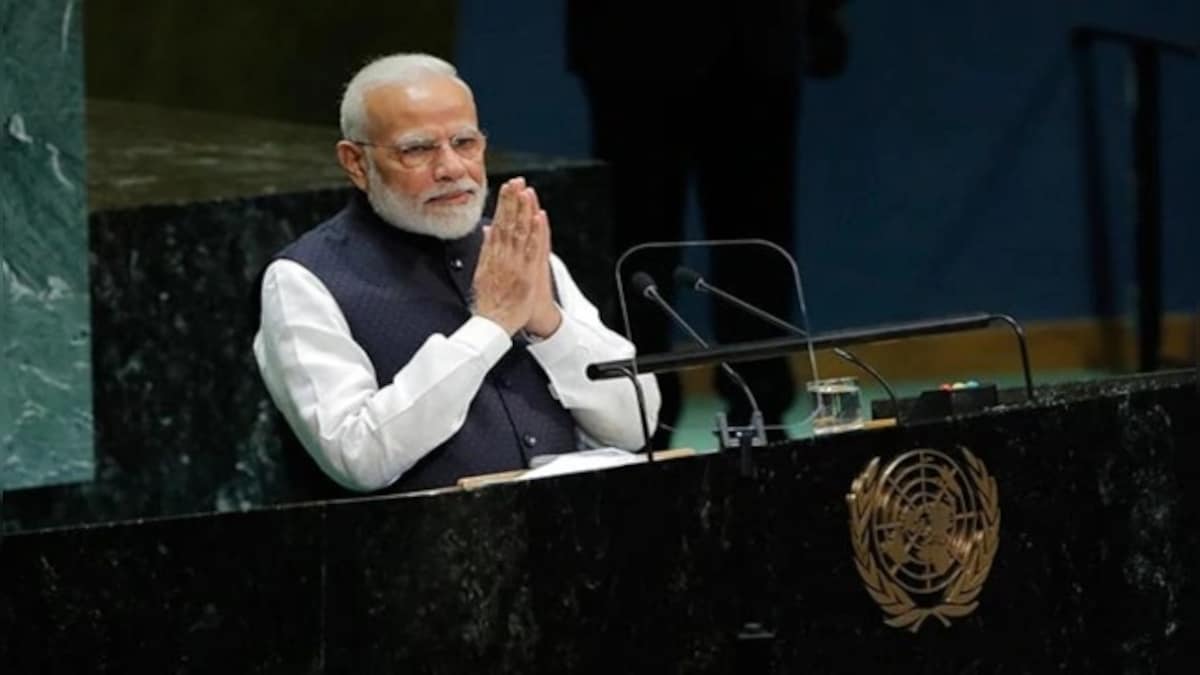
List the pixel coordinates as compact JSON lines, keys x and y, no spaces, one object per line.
{"x":686,"y":276}
{"x":643,"y":283}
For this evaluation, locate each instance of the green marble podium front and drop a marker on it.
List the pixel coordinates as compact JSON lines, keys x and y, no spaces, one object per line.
{"x":45,"y":344}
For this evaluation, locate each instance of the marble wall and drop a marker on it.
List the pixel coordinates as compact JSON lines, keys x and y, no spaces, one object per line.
{"x":45,"y":359}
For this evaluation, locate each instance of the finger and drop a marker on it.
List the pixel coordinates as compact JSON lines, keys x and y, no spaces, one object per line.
{"x":506,"y":206}
{"x":533,"y":252}
{"x":545,"y":217}
{"x":521,"y":224}
{"x":535,"y":210}
{"x":493,"y":242}
{"x":534,"y":233}
{"x":546,"y":280}
{"x":537,"y":251}
{"x":537,"y":206}
{"x":485,"y":251}
{"x":515,"y":187}
{"x":493,"y":234}
{"x":542,"y":232}
{"x":509,"y":247}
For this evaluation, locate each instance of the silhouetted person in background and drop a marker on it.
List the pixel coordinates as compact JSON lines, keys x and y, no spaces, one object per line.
{"x":711,"y":89}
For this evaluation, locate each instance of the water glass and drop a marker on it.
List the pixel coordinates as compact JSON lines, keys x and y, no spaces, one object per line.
{"x":837,"y":405}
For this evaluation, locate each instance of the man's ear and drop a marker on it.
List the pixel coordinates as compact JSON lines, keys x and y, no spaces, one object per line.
{"x":350,"y":156}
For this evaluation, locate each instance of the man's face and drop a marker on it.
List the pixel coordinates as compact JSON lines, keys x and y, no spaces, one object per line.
{"x":424,"y":167}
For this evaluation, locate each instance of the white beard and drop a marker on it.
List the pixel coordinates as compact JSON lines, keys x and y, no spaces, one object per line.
{"x":451,"y":221}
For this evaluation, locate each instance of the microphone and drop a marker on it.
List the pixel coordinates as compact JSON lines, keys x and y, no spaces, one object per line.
{"x":685,"y":276}
{"x":644,"y":284}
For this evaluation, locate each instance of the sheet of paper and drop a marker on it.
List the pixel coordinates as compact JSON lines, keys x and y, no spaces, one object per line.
{"x":584,"y":460}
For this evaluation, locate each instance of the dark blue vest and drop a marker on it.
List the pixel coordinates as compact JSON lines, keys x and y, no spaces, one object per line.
{"x":396,"y":289}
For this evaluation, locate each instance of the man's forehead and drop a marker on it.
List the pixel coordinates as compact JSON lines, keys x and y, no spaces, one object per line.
{"x":431,"y":101}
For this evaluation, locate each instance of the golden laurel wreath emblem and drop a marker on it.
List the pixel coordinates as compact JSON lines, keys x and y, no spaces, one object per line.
{"x":924,"y":534}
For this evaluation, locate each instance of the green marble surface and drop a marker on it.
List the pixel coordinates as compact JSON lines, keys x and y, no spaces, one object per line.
{"x":45,"y":362}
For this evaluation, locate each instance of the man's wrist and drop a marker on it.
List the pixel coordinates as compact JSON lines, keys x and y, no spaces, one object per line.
{"x":546,"y":324}
{"x":499,"y":318}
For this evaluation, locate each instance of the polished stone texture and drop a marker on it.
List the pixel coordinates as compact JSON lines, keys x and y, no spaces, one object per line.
{"x":176,"y":608}
{"x":45,"y":360}
{"x":186,"y":210}
{"x":653,"y":569}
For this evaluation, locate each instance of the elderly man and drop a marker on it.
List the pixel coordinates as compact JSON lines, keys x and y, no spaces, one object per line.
{"x":409,"y":343}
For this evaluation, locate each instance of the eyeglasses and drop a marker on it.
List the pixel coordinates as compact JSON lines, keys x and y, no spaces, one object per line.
{"x":420,"y":153}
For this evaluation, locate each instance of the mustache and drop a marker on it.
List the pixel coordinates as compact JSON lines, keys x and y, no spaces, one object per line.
{"x":462,"y":185}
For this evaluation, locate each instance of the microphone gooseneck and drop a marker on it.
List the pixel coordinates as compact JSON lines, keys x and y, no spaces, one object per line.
{"x":645,"y":286}
{"x":630,"y":372}
{"x":685,"y":276}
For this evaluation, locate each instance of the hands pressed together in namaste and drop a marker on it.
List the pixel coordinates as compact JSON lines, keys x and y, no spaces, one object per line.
{"x":512,"y":280}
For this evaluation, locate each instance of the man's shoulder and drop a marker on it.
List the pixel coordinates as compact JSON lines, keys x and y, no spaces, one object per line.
{"x":329,"y":231}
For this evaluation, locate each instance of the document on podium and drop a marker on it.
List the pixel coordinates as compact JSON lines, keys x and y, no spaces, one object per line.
{"x":571,"y":462}
{"x":584,"y":460}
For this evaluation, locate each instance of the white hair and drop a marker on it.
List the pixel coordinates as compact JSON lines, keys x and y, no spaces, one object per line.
{"x":394,"y":69}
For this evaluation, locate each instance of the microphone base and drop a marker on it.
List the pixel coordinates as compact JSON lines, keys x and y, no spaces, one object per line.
{"x":734,"y":438}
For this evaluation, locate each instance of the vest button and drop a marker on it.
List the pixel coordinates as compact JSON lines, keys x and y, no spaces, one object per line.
{"x":456,"y":264}
{"x":530,"y":440}
{"x":505,"y":383}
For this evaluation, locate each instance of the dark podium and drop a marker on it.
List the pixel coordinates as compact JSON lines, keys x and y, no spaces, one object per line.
{"x":646,"y":568}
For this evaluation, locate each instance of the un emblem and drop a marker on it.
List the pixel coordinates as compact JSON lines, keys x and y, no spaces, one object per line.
{"x":924,"y":534}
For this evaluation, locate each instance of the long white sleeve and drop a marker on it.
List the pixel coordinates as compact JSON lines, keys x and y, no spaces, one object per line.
{"x":605,"y":410}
